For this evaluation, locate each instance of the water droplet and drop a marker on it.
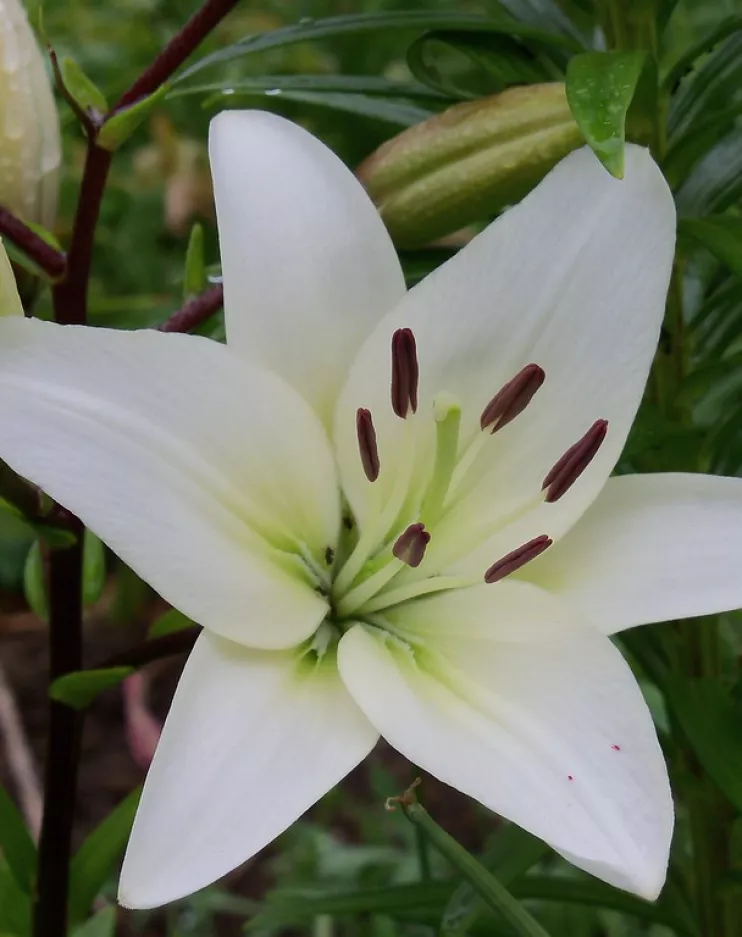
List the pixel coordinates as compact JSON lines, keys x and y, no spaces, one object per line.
{"x":273,"y":92}
{"x":306,"y":21}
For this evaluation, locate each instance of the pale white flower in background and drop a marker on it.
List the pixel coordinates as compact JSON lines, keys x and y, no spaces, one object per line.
{"x":346,"y":498}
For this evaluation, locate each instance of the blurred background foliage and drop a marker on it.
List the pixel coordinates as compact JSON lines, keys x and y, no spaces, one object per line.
{"x":352,"y":869}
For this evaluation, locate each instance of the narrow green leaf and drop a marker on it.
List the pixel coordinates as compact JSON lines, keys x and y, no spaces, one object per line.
{"x":93,"y":568}
{"x":80,"y":688}
{"x":169,"y":623}
{"x":308,"y":29}
{"x":87,"y":95}
{"x":345,"y":84}
{"x":485,"y":884}
{"x":544,"y":12}
{"x":194,"y":275}
{"x":121,"y":125}
{"x":95,"y":861}
{"x":715,"y":182}
{"x":16,"y":843}
{"x":600,"y":89}
{"x":721,"y":235}
{"x":711,"y":722}
{"x":34,"y":582}
{"x":102,"y":924}
{"x":15,"y":905}
{"x":684,"y":64}
{"x":513,"y":852}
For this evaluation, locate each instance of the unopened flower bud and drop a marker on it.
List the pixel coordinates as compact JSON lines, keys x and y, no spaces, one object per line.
{"x":29,"y":125}
{"x":468,"y":162}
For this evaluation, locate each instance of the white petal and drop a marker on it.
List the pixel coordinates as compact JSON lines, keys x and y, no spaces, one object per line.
{"x":574,"y":279}
{"x":309,"y":268}
{"x":175,"y":452}
{"x":651,"y":548}
{"x":539,"y":718}
{"x":10,"y":301}
{"x":252,"y":740}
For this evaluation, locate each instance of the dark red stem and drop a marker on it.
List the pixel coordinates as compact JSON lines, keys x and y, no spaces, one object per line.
{"x":195,"y":311}
{"x":46,"y":257}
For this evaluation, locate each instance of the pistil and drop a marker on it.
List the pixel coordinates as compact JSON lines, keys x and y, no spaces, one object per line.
{"x":447,"y":415}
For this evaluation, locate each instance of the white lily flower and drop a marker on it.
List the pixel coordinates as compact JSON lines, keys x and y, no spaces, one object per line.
{"x":345,"y":502}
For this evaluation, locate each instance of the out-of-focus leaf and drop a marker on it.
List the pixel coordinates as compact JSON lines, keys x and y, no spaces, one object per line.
{"x":15,"y":905}
{"x":711,"y":722}
{"x":34,"y":582}
{"x":97,"y":857}
{"x":715,"y":182}
{"x":16,"y":844}
{"x":102,"y":924}
{"x":308,"y":29}
{"x":513,"y":852}
{"x":80,"y":688}
{"x":600,"y":89}
{"x":169,"y":623}
{"x":711,"y":88}
{"x":543,"y":13}
{"x":93,"y":568}
{"x":719,"y":319}
{"x":194,"y":274}
{"x":494,"y":62}
{"x":374,"y":85}
{"x":684,"y":64}
{"x":122,"y":124}
{"x":721,"y":235}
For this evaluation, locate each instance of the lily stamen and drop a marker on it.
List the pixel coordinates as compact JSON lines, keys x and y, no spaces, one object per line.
{"x":410,"y":546}
{"x":512,"y":399}
{"x":573,"y":463}
{"x":405,"y":373}
{"x":517,"y":559}
{"x":367,"y":444}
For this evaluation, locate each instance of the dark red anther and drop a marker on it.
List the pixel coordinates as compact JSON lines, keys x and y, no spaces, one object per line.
{"x":513,"y":398}
{"x":516,"y":559}
{"x":410,"y":546}
{"x":574,"y":462}
{"x":367,"y":443}
{"x":405,"y":372}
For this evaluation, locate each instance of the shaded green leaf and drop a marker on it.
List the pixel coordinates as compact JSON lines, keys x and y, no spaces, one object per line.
{"x":93,"y":568}
{"x":721,"y":235}
{"x":102,"y":924}
{"x":686,"y":60}
{"x":122,"y":124}
{"x":85,"y":93}
{"x":16,"y":843}
{"x":80,"y":688}
{"x":168,"y":623}
{"x":308,"y":29}
{"x":600,"y":89}
{"x":543,"y":13}
{"x":715,"y":182}
{"x":34,"y":582}
{"x":96,"y":859}
{"x":376,"y":86}
{"x":15,"y":904}
{"x":711,"y":722}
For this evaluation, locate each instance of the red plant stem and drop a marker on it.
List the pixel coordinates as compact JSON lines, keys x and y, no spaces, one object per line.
{"x":46,"y":257}
{"x":195,"y":311}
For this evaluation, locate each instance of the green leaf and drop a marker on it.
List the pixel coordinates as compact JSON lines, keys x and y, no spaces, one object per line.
{"x":87,"y":95}
{"x":34,"y":582}
{"x":711,"y":722}
{"x":169,"y":623}
{"x":308,"y":29}
{"x":16,"y":844}
{"x":544,"y":12}
{"x":486,"y":885}
{"x":95,"y":861}
{"x":102,"y":924}
{"x":122,"y":124}
{"x":715,"y":183}
{"x":80,"y":688}
{"x":346,"y":84}
{"x":15,"y":905}
{"x":709,"y":89}
{"x":93,"y":568}
{"x":684,"y":64}
{"x":721,"y":235}
{"x":600,"y":89}
{"x":513,"y":852}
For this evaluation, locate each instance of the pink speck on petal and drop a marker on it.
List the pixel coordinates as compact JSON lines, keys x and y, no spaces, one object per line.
{"x":570,"y":778}
{"x":616,"y":748}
